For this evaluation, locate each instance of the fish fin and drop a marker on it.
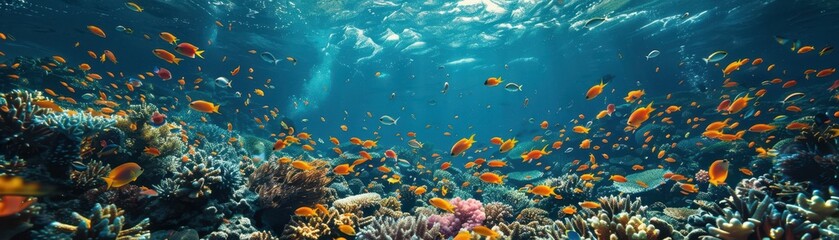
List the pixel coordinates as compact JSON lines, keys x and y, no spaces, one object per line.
{"x":520,"y":86}
{"x":109,"y":181}
{"x":177,"y":60}
{"x":396,"y":120}
{"x":198,"y":53}
{"x":215,"y":109}
{"x":276,"y":61}
{"x":706,"y":60}
{"x":156,"y":69}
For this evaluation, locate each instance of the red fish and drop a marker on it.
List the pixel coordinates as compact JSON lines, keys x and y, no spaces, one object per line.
{"x":834,"y":86}
{"x":188,"y":50}
{"x":723,"y":105}
{"x":163,"y":73}
{"x":158,"y":119}
{"x":610,"y":109}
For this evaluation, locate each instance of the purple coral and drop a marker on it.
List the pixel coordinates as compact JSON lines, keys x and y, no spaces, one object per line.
{"x":702,"y":176}
{"x":468,"y":213}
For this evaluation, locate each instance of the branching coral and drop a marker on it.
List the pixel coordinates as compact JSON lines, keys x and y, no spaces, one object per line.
{"x":467,"y":214}
{"x":497,"y":212}
{"x":506,"y":194}
{"x":390,"y":207}
{"x":76,"y":126}
{"x":622,"y":226}
{"x":20,"y":135}
{"x":104,"y":223}
{"x":194,"y":182}
{"x":404,"y":228}
{"x":357,"y":202}
{"x":533,"y":216}
{"x":818,"y":207}
{"x":680,"y":213}
{"x":90,"y":177}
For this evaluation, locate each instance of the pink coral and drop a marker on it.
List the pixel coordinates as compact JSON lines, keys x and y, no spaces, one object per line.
{"x":467,"y":214}
{"x":702,"y":176}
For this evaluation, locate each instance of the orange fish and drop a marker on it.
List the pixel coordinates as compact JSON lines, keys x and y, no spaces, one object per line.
{"x":305,"y":212}
{"x":508,"y":145}
{"x":442,"y":204}
{"x":166,"y":56}
{"x":595,"y":90}
{"x":734,"y":66}
{"x":96,"y":31}
{"x":169,"y":38}
{"x":496,"y":140}
{"x":544,"y":125}
{"x":493,"y":81}
{"x":489,"y":177}
{"x":640,"y":115}
{"x":462,"y":145}
{"x":718,"y":172}
{"x":618,"y":178}
{"x":154,"y":152}
{"x":634,"y":95}
{"x":739,"y":104}
{"x":542,"y":190}
{"x":759,"y":128}
{"x":204,"y":106}
{"x":123,"y":174}
{"x":589,"y":204}
{"x":825,"y":72}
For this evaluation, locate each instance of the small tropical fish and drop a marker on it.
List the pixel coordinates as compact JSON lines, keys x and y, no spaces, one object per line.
{"x":388,"y":120}
{"x":715,"y":57}
{"x":169,"y":38}
{"x":133,"y":7}
{"x":96,"y":31}
{"x":462,"y":145}
{"x":510,"y":87}
{"x":123,"y":174}
{"x":654,"y":53}
{"x":204,"y":106}
{"x":493,"y":81}
{"x":442,"y":204}
{"x":166,"y":56}
{"x":718,"y":172}
{"x":595,"y":90}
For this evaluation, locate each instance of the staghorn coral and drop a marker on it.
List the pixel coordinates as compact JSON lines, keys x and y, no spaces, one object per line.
{"x":306,"y":228}
{"x":192,"y":182}
{"x":104,"y":223}
{"x":280,"y":185}
{"x":733,"y":229}
{"x":127,"y":197}
{"x":533,"y":215}
{"x":263,"y":235}
{"x":390,"y":207}
{"x":75,"y":126}
{"x":497,"y":212}
{"x":618,"y":204}
{"x":357,"y":202}
{"x":650,"y":177}
{"x":11,"y":166}
{"x":622,"y":226}
{"x":680,"y":213}
{"x":90,"y":177}
{"x":467,"y":214}
{"x":506,"y":194}
{"x":20,"y":135}
{"x":404,"y":228}
{"x":818,"y":207}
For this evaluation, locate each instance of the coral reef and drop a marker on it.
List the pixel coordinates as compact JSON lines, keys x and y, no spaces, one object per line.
{"x":467,"y":214}
{"x":405,"y":228}
{"x":105,"y":222}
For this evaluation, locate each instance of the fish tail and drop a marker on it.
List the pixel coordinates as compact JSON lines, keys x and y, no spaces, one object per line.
{"x":198,"y":53}
{"x":177,"y":60}
{"x":215,"y":109}
{"x":276,"y":61}
{"x":706,"y":60}
{"x":397,"y":119}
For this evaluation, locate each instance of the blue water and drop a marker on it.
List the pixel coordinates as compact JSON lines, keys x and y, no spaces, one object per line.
{"x":416,"y":47}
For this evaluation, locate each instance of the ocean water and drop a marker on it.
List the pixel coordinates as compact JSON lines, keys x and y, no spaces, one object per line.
{"x":378,"y":119}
